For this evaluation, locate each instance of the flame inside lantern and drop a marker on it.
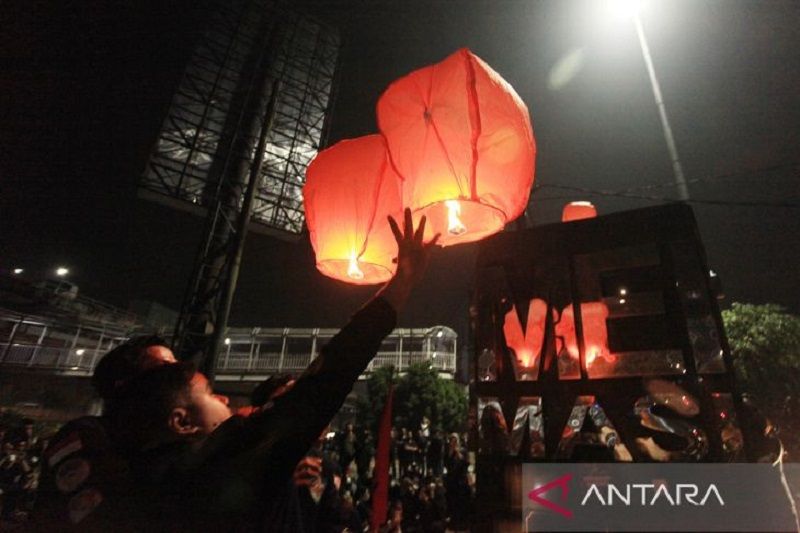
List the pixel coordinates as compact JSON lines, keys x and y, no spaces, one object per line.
{"x":353,"y":272}
{"x":454,"y":224}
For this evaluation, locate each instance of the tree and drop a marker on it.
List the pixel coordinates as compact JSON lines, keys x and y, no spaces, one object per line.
{"x":418,"y":393}
{"x":765,"y":344}
{"x":370,"y":407}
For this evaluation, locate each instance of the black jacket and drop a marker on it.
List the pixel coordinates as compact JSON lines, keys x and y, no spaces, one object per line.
{"x":226,"y":481}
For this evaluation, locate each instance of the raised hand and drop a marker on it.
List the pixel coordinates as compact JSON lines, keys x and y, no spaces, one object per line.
{"x":412,"y":259}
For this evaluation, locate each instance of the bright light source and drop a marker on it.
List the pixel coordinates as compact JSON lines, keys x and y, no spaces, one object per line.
{"x":227,"y":342}
{"x":623,"y":292}
{"x":80,"y":351}
{"x":353,"y":272}
{"x":62,"y":271}
{"x":18,"y":271}
{"x":439,"y":333}
{"x":454,"y":224}
{"x":623,"y":9}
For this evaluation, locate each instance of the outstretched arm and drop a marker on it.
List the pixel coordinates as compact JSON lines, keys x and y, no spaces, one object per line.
{"x":286,"y":430}
{"x":412,"y":260}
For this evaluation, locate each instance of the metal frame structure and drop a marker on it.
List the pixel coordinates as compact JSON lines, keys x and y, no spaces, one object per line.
{"x":195,"y":141}
{"x":662,"y":331}
{"x":246,"y":121}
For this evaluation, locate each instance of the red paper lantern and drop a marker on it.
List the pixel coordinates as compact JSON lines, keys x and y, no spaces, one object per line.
{"x":461,"y":140}
{"x":350,"y":189}
{"x":578,"y":211}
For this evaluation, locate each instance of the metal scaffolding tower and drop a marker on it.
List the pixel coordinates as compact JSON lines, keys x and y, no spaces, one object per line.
{"x":245,"y":122}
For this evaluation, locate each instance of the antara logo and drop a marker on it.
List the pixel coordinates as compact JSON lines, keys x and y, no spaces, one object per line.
{"x":649,"y":494}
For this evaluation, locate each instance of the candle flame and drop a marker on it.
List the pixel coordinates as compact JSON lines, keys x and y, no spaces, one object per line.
{"x":353,"y":272}
{"x":454,"y":224}
{"x":526,"y":358}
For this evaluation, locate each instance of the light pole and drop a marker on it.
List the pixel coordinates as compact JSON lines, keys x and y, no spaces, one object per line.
{"x":680,"y":180}
{"x":629,"y":9}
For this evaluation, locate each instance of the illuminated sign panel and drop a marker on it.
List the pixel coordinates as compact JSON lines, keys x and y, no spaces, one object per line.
{"x":598,"y":340}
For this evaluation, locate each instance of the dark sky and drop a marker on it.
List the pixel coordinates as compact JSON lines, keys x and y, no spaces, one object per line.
{"x":85,"y":85}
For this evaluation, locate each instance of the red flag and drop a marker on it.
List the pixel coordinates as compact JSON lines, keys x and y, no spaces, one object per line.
{"x":380,"y":492}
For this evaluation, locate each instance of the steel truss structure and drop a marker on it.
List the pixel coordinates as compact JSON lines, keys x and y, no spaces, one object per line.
{"x":245,"y":123}
{"x":198,"y":139}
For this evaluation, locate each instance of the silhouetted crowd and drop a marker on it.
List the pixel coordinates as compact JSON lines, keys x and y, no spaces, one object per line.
{"x":20,"y":466}
{"x":431,"y":480}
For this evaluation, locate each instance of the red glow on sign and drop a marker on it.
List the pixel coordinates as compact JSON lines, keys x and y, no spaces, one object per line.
{"x":527,"y":346}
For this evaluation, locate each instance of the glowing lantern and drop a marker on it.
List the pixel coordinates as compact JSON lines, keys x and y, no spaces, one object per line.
{"x":350,"y":189}
{"x":578,"y":211}
{"x":595,"y":333}
{"x":461,"y":139}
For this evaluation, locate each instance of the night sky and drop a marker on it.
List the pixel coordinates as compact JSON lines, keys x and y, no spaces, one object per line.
{"x":84,"y":87}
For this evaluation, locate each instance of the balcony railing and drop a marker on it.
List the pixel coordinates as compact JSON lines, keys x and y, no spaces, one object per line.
{"x":248,"y":352}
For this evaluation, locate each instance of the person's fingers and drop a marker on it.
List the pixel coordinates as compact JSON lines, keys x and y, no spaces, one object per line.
{"x":431,"y":243}
{"x":409,"y":223}
{"x":395,"y":229}
{"x":420,"y":230}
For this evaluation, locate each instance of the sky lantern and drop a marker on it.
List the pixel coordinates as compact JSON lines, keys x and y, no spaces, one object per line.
{"x":578,"y":211}
{"x":350,"y":190}
{"x":461,"y":140}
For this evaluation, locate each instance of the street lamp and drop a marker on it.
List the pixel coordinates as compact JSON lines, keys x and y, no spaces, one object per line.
{"x":62,"y":271}
{"x":629,"y":9}
{"x":18,"y":271}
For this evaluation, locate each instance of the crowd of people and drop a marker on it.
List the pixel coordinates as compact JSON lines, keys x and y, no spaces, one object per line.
{"x":169,"y":454}
{"x":431,"y":478}
{"x":20,"y":466}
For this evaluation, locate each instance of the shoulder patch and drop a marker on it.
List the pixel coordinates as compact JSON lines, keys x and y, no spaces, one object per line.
{"x":71,"y":474}
{"x":58,"y":451}
{"x":83,"y":503}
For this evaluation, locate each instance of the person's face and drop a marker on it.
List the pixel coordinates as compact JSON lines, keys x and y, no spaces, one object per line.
{"x":29,"y":430}
{"x":208,"y":410}
{"x":157,"y":355}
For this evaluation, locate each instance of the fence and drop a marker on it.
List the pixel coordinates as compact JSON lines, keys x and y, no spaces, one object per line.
{"x":75,"y":348}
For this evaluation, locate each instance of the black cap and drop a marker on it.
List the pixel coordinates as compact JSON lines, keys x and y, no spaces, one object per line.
{"x":122,"y":363}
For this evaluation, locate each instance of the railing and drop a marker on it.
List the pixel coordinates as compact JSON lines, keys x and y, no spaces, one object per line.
{"x":75,"y":349}
{"x":46,"y":357}
{"x":270,"y":351}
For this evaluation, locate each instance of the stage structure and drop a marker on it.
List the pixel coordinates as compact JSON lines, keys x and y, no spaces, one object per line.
{"x":598,"y":340}
{"x":247,"y":118}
